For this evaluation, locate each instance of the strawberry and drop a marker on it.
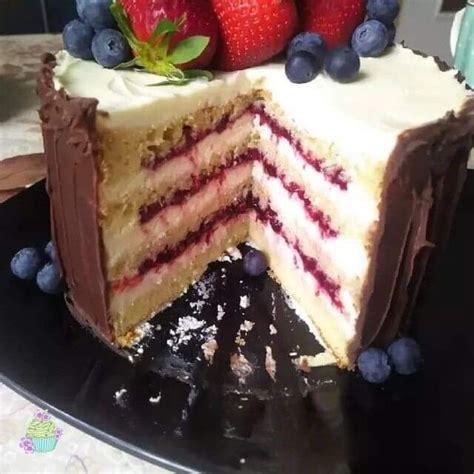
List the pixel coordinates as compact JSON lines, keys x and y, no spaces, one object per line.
{"x":253,"y":31}
{"x":145,"y":15}
{"x":334,"y":20}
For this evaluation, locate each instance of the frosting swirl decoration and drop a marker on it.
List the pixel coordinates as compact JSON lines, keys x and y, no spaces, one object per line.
{"x":41,"y":429}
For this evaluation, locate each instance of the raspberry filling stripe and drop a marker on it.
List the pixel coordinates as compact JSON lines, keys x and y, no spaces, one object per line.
{"x":333,"y":174}
{"x":204,"y":235}
{"x":149,"y":212}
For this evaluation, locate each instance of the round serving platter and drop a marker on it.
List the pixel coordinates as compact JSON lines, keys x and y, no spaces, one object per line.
{"x":166,"y":403}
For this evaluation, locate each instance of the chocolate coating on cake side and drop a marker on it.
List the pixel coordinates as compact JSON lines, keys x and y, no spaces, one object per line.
{"x":72,"y":149}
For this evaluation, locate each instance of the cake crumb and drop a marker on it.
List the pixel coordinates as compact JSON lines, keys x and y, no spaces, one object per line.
{"x":245,"y":327}
{"x":190,"y":328}
{"x":155,"y":400}
{"x":220,"y":312}
{"x":273,"y":306}
{"x":136,"y":335}
{"x":305,"y":363}
{"x":232,"y":254}
{"x":241,"y":367}
{"x":244,"y":302}
{"x":270,"y":363}
{"x":273,"y":330}
{"x":120,"y":397}
{"x":243,"y":461}
{"x":209,"y":349}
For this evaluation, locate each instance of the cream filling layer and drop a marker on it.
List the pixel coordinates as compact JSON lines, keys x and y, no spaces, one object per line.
{"x":135,"y":242}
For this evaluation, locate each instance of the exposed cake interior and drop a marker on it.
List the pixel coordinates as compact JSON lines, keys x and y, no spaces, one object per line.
{"x":230,"y":176}
{"x":229,"y":164}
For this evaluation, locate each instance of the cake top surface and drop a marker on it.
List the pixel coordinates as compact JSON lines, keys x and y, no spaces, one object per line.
{"x":395,"y":93}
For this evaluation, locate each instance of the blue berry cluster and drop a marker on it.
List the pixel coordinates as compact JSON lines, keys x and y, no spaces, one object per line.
{"x":308,"y":55}
{"x":95,"y":35}
{"x":403,"y":355}
{"x":29,"y":264}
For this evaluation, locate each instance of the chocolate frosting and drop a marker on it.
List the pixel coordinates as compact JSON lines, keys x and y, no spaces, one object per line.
{"x":424,"y":178}
{"x":423,"y":183}
{"x":72,"y":150}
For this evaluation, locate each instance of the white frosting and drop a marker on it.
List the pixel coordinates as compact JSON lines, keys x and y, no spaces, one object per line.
{"x":396,"y":92}
{"x":129,"y":98}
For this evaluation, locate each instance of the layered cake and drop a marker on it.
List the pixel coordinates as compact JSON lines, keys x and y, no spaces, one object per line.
{"x":346,"y":188}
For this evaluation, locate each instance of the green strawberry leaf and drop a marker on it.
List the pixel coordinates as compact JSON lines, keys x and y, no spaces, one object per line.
{"x":189,"y":76}
{"x":198,"y":74}
{"x":164,"y":27}
{"x":190,"y":48}
{"x":129,"y":64}
{"x":170,"y":83}
{"x":154,"y":58}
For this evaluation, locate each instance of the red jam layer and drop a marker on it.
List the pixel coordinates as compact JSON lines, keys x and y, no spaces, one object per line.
{"x":147,"y":213}
{"x":189,"y":141}
{"x":326,"y":284}
{"x":202,"y":234}
{"x":209,"y":227}
{"x":334,"y":174}
{"x":179,"y":198}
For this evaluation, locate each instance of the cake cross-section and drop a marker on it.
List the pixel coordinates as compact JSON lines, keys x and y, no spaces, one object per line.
{"x":347,"y":188}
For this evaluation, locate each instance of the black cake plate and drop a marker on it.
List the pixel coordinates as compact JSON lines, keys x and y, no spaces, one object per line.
{"x":325,"y":421}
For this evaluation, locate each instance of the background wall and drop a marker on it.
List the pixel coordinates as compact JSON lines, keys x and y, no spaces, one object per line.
{"x":426,"y":25}
{"x":35,"y":16}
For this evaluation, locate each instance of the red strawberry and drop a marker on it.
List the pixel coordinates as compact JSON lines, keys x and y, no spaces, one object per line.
{"x":253,"y":31}
{"x":334,"y":20}
{"x":144,"y":15}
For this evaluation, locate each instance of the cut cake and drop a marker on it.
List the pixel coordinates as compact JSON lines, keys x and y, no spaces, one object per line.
{"x":347,"y":188}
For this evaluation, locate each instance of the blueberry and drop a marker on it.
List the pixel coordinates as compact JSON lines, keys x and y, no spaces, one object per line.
{"x":383,"y":10}
{"x":110,"y":48}
{"x":309,"y":42}
{"x":49,"y":279}
{"x":406,"y":356}
{"x":255,"y":263}
{"x":77,"y":38}
{"x":26,"y":263}
{"x":370,"y":39}
{"x":374,"y":365}
{"x":96,"y":13}
{"x":50,"y":251}
{"x":342,"y":64}
{"x":302,"y":67}
{"x":392,"y":32}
